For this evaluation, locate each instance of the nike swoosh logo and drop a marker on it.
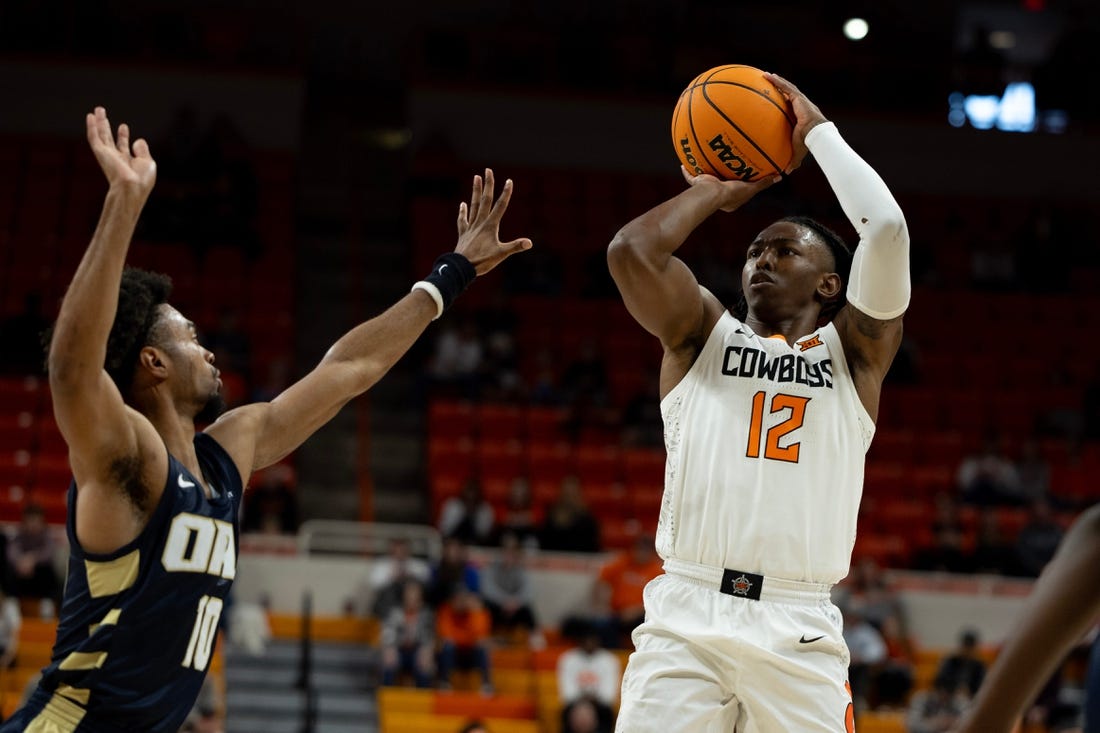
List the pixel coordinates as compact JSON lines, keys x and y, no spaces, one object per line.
{"x":184,"y":483}
{"x":804,"y":640}
{"x":442,"y":268}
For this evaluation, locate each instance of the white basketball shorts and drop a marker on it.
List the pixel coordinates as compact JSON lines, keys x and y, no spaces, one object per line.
{"x":706,"y":661}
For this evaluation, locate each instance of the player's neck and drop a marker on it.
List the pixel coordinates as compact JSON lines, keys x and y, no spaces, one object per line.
{"x":176,"y":429}
{"x":790,"y":329}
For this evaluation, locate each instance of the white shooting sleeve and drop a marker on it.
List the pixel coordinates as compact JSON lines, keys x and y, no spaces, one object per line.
{"x":879,"y":284}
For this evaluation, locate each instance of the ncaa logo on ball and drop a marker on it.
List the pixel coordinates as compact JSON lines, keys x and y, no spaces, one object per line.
{"x":737,"y":166}
{"x":685,"y":146}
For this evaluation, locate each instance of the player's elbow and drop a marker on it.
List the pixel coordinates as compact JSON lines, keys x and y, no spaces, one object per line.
{"x":887,"y":227}
{"x":627,"y":251}
{"x":1088,"y":524}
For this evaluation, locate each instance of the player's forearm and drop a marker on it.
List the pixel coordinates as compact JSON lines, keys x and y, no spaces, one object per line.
{"x":1062,"y":606}
{"x":879,"y":282}
{"x":372,"y":348}
{"x":862,"y":193}
{"x":658,"y":233}
{"x":79,"y":344}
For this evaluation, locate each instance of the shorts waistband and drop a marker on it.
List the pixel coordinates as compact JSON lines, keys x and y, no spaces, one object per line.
{"x":750,"y":586}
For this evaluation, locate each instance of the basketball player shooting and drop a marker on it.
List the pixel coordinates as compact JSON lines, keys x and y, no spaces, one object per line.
{"x":153,"y":505}
{"x":768,"y":415}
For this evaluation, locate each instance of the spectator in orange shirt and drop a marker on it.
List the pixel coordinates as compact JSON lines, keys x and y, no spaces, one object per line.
{"x":464,"y":627}
{"x":619,"y":591}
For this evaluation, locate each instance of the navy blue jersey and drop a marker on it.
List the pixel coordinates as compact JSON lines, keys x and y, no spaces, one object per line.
{"x":137,"y":627}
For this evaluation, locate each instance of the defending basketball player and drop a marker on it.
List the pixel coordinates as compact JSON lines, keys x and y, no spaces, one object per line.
{"x":153,"y":506}
{"x":768,"y":414}
{"x":1060,"y":610}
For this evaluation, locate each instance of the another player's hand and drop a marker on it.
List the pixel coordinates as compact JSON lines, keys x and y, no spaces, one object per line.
{"x":807,"y":116}
{"x":479,"y":226}
{"x":735,"y":194}
{"x":129,"y":168}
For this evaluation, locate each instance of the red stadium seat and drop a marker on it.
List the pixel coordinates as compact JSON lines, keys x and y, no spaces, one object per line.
{"x":643,"y":467}
{"x":499,"y":422}
{"x":550,"y":461}
{"x":20,"y":394}
{"x":598,"y":463}
{"x":895,"y":446}
{"x":451,"y":419}
{"x":17,"y":432}
{"x":500,"y":459}
{"x":453,"y":457}
{"x":604,"y":498}
{"x":545,"y":423}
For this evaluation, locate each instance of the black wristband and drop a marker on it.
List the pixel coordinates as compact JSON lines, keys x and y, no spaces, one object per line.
{"x":451,"y":274}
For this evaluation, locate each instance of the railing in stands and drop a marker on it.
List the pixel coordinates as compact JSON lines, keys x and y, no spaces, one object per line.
{"x":343,"y":537}
{"x":305,"y":668}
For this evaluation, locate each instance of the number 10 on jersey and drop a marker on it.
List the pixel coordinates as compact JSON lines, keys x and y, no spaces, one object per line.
{"x":204,"y":633}
{"x":771,"y":447}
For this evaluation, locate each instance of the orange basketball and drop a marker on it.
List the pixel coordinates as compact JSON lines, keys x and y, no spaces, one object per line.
{"x":733,"y":123}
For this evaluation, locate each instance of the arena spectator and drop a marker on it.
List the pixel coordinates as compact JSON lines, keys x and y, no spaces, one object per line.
{"x":455,"y":367}
{"x":868,"y":652}
{"x":10,"y":621}
{"x":589,"y":672}
{"x":30,"y":558}
{"x":936,"y":709}
{"x":454,"y":572}
{"x":894,"y":678}
{"x":988,"y":476}
{"x":992,"y":553}
{"x":520,"y":516}
{"x":963,"y":670}
{"x":569,"y":525}
{"x":464,"y":628}
{"x":583,"y":717}
{"x":390,"y":573}
{"x":619,"y":587}
{"x":509,"y":595}
{"x":468,"y":516}
{"x":642,"y":423}
{"x":1032,"y":473}
{"x":408,"y":639}
{"x":1038,"y":539}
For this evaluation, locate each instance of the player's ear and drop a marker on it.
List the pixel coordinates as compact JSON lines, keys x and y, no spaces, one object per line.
{"x":153,"y":361}
{"x":829,"y":286}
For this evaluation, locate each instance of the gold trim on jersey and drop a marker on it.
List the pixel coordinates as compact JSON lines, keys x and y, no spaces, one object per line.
{"x":113,"y":576}
{"x":59,"y":716}
{"x":76,"y":694}
{"x":110,"y":619}
{"x":84,"y":660}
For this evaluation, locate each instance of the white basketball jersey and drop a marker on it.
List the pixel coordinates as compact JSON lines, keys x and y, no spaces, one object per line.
{"x":766,"y":445}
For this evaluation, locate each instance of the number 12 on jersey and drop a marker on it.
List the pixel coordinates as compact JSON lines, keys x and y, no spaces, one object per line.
{"x":772,"y":449}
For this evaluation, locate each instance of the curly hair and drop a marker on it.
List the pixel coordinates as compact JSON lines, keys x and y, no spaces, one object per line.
{"x":842,"y":265}
{"x":139,"y":295}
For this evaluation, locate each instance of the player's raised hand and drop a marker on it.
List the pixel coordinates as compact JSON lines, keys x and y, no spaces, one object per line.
{"x":479,"y":226}
{"x":126,"y":166}
{"x":735,"y":193}
{"x":807,"y":116}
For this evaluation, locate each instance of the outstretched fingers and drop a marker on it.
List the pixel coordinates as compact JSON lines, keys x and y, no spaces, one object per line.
{"x":516,"y":245}
{"x":123,"y":141}
{"x":475,"y":199}
{"x":463,"y":222}
{"x":501,"y":204}
{"x":485,"y":208}
{"x":141,"y":148}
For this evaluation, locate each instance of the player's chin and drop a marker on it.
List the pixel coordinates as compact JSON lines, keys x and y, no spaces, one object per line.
{"x":213,"y":409}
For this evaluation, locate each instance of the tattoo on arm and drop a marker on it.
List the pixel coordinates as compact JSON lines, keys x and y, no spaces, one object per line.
{"x":869,"y":327}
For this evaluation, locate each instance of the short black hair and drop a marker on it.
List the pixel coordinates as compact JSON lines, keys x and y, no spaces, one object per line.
{"x":140,"y":294}
{"x":842,"y":265}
